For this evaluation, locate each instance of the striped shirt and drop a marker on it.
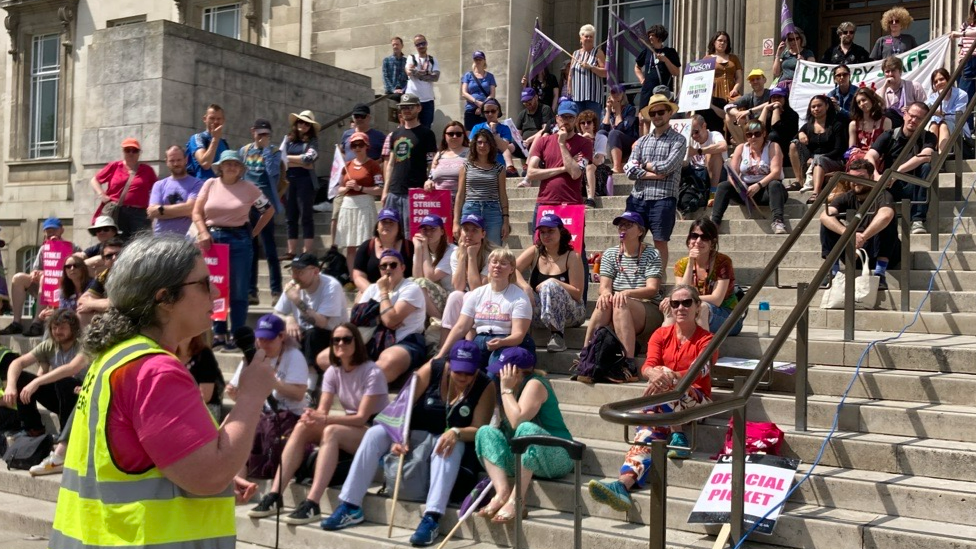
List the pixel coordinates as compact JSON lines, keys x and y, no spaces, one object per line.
{"x":586,"y":86}
{"x":481,"y":184}
{"x":630,"y":273}
{"x":967,"y":39}
{"x":665,"y":153}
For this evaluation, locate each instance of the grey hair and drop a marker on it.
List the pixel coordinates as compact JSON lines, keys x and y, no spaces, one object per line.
{"x":587,"y":29}
{"x":846,"y":26}
{"x":146,"y":265}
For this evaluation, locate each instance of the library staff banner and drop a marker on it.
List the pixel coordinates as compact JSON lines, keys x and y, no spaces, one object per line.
{"x":815,"y":78}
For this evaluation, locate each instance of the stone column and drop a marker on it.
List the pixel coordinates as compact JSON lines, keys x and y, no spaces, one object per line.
{"x":948,"y":15}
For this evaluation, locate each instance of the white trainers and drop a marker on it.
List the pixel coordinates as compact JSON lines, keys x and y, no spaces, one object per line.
{"x":51,"y":465}
{"x":323,"y":207}
{"x":918,"y":227}
{"x":807,"y":186}
{"x":779,"y":228}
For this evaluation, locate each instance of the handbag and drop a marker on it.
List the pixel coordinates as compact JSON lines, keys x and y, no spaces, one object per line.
{"x":110,"y":208}
{"x":865,"y":288}
{"x":415,"y":481}
{"x":761,"y":438}
{"x":366,"y":317}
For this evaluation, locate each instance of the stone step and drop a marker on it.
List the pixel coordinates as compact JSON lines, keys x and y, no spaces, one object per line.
{"x":894,"y":385}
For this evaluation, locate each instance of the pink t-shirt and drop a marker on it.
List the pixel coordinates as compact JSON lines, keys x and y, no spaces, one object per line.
{"x":229,"y":205}
{"x":562,"y":189}
{"x":116,"y":174}
{"x":157,"y":416}
{"x":350,"y":387}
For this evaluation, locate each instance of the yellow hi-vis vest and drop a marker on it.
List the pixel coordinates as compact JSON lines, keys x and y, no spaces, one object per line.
{"x":101,"y":506}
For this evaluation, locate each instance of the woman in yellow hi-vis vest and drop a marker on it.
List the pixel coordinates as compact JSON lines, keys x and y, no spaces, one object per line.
{"x":146,"y":464}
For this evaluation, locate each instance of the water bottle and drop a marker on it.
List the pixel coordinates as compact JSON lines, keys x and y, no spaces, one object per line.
{"x":762,"y":318}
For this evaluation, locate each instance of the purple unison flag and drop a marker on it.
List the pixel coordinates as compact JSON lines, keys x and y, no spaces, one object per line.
{"x":395,"y":418}
{"x":786,"y":20}
{"x":544,"y":50}
{"x":631,"y":35}
{"x":612,"y":79}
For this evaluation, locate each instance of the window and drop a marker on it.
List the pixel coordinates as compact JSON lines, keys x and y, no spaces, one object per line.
{"x":223,"y":20}
{"x":45,"y":77}
{"x":127,"y":21}
{"x":26,"y":265}
{"x":652,"y":11}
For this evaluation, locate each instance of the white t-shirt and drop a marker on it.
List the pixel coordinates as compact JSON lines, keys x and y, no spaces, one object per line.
{"x":446,"y":265}
{"x":327,"y":300}
{"x":454,"y":265}
{"x":409,"y":291}
{"x":421,"y":88}
{"x":699,"y":160}
{"x":291,"y":369}
{"x":493,"y":311}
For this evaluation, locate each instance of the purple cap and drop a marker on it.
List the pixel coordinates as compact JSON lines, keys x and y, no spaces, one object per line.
{"x":550,"y":220}
{"x":432,"y":221}
{"x":269,"y":327}
{"x":617,"y":89}
{"x":465,"y":357}
{"x":779,"y":91}
{"x":474,"y":219}
{"x":633,"y":217}
{"x":392,"y":253}
{"x":387,"y":213}
{"x":568,"y":108}
{"x":478,"y":54}
{"x":516,"y":356}
{"x":528,"y":94}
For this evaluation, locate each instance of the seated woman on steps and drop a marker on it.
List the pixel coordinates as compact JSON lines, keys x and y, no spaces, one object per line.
{"x":670,"y":353}
{"x":469,"y":268}
{"x":387,"y":235}
{"x":432,"y":264}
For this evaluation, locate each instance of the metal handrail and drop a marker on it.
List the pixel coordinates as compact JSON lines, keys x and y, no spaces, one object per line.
{"x":345,"y":116}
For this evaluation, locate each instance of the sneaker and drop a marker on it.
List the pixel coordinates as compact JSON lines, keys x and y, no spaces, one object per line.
{"x":229,"y":345}
{"x":51,"y":465}
{"x":511,"y":172}
{"x":323,"y":207}
{"x":882,"y":282}
{"x":612,"y":493}
{"x":275,"y":296}
{"x":779,"y":227}
{"x":344,"y":515}
{"x":36,"y":329}
{"x":13,"y":328}
{"x":253,"y":300}
{"x":918,"y":227}
{"x":349,"y":287}
{"x":427,"y":533}
{"x":807,"y":187}
{"x":678,"y":447}
{"x":590,"y":203}
{"x":307,"y":512}
{"x":267,"y":506}
{"x":523,"y":184}
{"x":556,"y":344}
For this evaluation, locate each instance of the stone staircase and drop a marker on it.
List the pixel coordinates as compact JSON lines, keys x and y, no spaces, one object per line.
{"x":897,"y":473}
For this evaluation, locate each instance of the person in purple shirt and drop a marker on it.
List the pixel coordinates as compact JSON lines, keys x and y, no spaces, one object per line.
{"x":171,"y":200}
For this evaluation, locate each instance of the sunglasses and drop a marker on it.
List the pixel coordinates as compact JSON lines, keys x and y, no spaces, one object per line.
{"x":130,"y":150}
{"x":205,"y":282}
{"x":586,"y":123}
{"x":359,"y":116}
{"x":847,"y":33}
{"x":655,"y":114}
{"x":357,"y":145}
{"x":104,"y":229}
{"x":696,"y":236}
{"x":454,"y":134}
{"x":490,"y":111}
{"x":894,"y":22}
{"x":420,"y":44}
{"x":390,"y":265}
{"x":110,"y":256}
{"x":753,"y":134}
{"x":341,"y":340}
{"x":842,"y":74}
{"x":686,"y":303}
{"x":71,"y":266}
{"x":792,"y":38}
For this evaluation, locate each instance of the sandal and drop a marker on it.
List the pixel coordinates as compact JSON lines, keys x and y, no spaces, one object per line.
{"x":811,"y":198}
{"x":287,"y":256}
{"x":489,"y":511}
{"x":503,"y":516}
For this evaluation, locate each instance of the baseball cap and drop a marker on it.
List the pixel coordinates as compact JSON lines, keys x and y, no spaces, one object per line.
{"x":465,"y":357}
{"x":409,"y":99}
{"x":359,"y":136}
{"x":478,"y":54}
{"x":567,"y":108}
{"x":779,"y":91}
{"x":361,"y":109}
{"x":756,"y":73}
{"x":474,"y":219}
{"x":261,"y":126}
{"x":550,"y":220}
{"x":388,"y":214}
{"x":528,"y":94}
{"x":394,"y":254}
{"x":617,"y":89}
{"x":131,"y":142}
{"x":633,"y":217}
{"x":304,"y":260}
{"x":516,"y":356}
{"x":432,"y":221}
{"x":269,"y":327}
{"x":52,"y":223}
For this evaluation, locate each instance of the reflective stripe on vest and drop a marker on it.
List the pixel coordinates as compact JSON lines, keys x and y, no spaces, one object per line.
{"x":100,"y":505}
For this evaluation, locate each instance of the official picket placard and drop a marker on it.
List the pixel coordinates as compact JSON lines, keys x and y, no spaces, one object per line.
{"x":218,"y":262}
{"x":696,"y":85}
{"x":423,"y":203}
{"x":53,"y":255}
{"x":574,"y":218}
{"x":768,"y":478}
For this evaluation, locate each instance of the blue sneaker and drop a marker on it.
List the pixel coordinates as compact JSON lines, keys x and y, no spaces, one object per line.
{"x":426,"y":533}
{"x":612,"y":493}
{"x":344,"y":515}
{"x":678,"y":447}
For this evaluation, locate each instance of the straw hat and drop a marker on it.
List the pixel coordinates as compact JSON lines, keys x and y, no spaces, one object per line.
{"x":305,"y":116}
{"x":654,"y":101}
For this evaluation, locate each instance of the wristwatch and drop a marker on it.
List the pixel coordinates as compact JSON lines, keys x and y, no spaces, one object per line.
{"x":161,"y":212}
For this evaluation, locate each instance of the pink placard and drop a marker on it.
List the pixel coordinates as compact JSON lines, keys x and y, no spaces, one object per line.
{"x":431,"y":203}
{"x":218,"y":261}
{"x":574,"y":218}
{"x":53,"y":255}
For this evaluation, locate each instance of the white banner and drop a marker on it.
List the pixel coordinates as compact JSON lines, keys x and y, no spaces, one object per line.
{"x":815,"y":78}
{"x":335,"y":177}
{"x":696,"y":85}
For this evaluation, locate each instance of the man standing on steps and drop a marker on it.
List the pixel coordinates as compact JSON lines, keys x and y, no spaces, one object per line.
{"x":171,"y":200}
{"x":205,"y":147}
{"x":887,"y":148}
{"x":412,"y":148}
{"x":655,"y":168}
{"x":394,"y":70}
{"x":846,"y":52}
{"x":565,"y":155}
{"x":422,"y":72}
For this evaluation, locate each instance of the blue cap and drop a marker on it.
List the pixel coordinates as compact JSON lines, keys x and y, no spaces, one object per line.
{"x":633,"y":217}
{"x":52,"y":223}
{"x":228,"y":155}
{"x":269,"y":327}
{"x":387,"y":213}
{"x":528,"y":94}
{"x":568,"y":108}
{"x":465,"y":357}
{"x":432,"y":221}
{"x":474,"y":219}
{"x":550,"y":220}
{"x":516,"y":356}
{"x":392,"y":253}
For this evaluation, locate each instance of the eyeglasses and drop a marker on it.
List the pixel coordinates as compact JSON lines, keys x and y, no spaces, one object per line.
{"x":686,"y":303}
{"x":847,"y":33}
{"x":696,"y":236}
{"x":130,"y":150}
{"x":753,"y":134}
{"x":454,"y":134}
{"x":111,"y":256}
{"x":490,"y":111}
{"x":205,"y":282}
{"x":341,"y":340}
{"x":104,"y":229}
{"x":357,"y":145}
{"x":841,"y":74}
{"x":792,"y":38}
{"x":71,"y":266}
{"x":390,"y":265}
{"x":420,"y":44}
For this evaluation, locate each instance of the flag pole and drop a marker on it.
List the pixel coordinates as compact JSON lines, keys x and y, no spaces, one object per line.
{"x":465,"y":516}
{"x":528,"y":56}
{"x":406,"y":443}
{"x":396,"y":494}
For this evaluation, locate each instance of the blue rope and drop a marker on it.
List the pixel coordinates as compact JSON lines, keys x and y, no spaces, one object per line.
{"x":860,"y":360}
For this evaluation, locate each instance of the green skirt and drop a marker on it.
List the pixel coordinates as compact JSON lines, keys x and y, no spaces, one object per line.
{"x":492,"y":445}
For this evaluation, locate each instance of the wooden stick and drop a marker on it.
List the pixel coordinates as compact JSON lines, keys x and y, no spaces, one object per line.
{"x":396,"y":494}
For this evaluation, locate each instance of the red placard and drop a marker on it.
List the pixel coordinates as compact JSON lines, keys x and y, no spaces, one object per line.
{"x":53,"y":255}
{"x":218,"y":261}
{"x":574,"y":218}
{"x":431,"y":203}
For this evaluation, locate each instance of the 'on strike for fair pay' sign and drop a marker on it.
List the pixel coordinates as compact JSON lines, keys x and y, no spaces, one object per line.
{"x":768,"y":478}
{"x":423,"y":203}
{"x":573,"y":216}
{"x":53,"y":255}
{"x":217,"y":259}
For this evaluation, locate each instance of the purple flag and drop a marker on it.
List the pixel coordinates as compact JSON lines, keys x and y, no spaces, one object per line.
{"x":612,"y":79}
{"x":630,"y":36}
{"x":786,"y":20}
{"x":395,"y":418}
{"x":544,"y":50}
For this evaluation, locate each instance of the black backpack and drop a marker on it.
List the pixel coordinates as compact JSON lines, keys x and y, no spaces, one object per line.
{"x":604,"y":360}
{"x":692,"y":194}
{"x":334,"y":265}
{"x":27,"y":451}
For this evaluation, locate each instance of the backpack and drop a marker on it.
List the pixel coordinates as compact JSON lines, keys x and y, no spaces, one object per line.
{"x":273,"y":431}
{"x":604,"y":180}
{"x":27,"y":451}
{"x":192,"y":166}
{"x":334,"y":265}
{"x":603,"y":360}
{"x":692,"y":193}
{"x":761,"y":438}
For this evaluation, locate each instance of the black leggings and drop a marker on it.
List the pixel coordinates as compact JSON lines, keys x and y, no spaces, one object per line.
{"x":58,"y":397}
{"x":298,"y":202}
{"x":773,"y":195}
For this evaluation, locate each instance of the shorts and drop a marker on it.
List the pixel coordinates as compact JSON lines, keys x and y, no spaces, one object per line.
{"x":659,"y":215}
{"x":416,"y":347}
{"x":653,"y":318}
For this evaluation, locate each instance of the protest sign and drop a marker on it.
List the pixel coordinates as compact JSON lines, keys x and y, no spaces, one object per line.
{"x":516,"y":136}
{"x":218,"y":262}
{"x":424,"y":203}
{"x":574,"y":218}
{"x":53,"y":255}
{"x":696,"y":85}
{"x":768,"y":478}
